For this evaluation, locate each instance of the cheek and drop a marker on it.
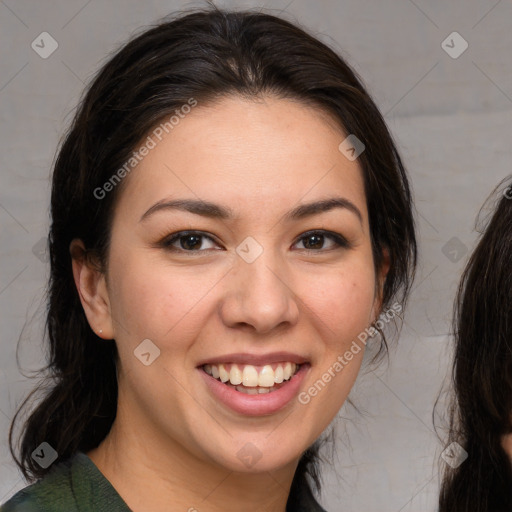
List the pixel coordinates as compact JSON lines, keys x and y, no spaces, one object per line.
{"x":339,"y":306}
{"x":151,"y":301}
{"x":342,"y":301}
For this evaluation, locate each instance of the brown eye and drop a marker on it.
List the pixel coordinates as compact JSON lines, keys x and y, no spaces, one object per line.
{"x":186,"y":241}
{"x":314,"y":241}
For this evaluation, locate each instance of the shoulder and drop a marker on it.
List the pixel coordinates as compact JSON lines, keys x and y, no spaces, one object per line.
{"x":74,"y":485}
{"x":22,"y":501}
{"x":52,"y":492}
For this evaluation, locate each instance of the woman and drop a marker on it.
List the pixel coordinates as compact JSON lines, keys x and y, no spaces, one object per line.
{"x":178,"y":366}
{"x":478,"y":476}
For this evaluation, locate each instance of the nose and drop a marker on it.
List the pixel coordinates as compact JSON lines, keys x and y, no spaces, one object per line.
{"x":260,"y":295}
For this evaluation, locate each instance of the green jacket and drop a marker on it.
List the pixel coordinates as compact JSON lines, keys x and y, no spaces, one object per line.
{"x":77,"y":485}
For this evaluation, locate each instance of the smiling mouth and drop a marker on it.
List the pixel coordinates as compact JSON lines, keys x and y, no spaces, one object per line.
{"x":253,"y":380}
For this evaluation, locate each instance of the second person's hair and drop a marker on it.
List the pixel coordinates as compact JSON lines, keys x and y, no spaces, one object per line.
{"x":482,"y":373}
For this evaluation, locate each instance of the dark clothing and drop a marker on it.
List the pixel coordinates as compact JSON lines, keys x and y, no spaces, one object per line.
{"x":77,"y":485}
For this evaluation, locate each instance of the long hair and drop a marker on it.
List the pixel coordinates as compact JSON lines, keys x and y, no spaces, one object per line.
{"x":481,"y":407}
{"x":205,"y":54}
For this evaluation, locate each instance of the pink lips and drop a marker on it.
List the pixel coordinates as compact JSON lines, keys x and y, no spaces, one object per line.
{"x":260,"y":404}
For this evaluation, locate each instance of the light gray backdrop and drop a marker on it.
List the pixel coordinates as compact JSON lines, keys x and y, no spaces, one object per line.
{"x":451,"y":113}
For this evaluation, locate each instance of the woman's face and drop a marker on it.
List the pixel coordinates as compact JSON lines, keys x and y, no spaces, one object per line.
{"x":252,"y":288}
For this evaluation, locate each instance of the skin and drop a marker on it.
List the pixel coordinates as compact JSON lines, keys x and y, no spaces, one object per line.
{"x":506,"y":443}
{"x":261,"y":158}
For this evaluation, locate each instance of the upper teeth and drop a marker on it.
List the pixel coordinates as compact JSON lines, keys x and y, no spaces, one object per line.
{"x":250,"y":375}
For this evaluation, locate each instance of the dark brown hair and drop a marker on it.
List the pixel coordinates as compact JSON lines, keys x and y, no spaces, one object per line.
{"x":481,"y":405}
{"x":205,"y":55}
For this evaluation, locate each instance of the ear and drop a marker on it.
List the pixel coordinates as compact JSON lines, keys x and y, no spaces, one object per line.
{"x":380,"y":280}
{"x":92,"y":289}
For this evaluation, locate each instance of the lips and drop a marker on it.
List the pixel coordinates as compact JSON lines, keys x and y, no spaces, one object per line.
{"x":255,"y":384}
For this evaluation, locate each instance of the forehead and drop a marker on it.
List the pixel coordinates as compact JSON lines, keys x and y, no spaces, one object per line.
{"x":249,"y":154}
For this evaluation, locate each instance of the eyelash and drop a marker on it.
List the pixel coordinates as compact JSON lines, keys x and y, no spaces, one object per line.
{"x":338,"y":239}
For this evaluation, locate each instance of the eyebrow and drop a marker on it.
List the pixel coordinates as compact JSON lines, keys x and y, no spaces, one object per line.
{"x":215,"y":211}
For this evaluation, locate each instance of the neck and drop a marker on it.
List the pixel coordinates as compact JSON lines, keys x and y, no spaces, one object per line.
{"x":171,"y":474}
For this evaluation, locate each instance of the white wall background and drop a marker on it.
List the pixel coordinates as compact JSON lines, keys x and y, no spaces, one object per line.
{"x":452,"y":119}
